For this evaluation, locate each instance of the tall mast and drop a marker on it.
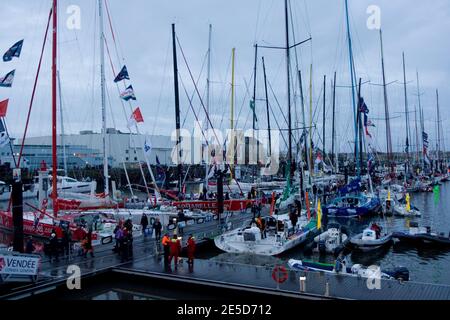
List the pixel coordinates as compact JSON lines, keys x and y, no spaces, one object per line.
{"x":288,"y":68}
{"x":253,"y":102}
{"x":386,"y":109}
{"x":352,"y":76}
{"x":311,"y":165}
{"x":267,"y":107}
{"x":417,"y":137}
{"x":438,"y":149}
{"x":177,"y":108}
{"x":54,"y":109}
{"x":304,"y":135}
{"x":233,"y":56}
{"x":408,"y":135}
{"x":324,"y":113}
{"x":103,"y":94}
{"x":422,"y":125}
{"x":208,"y":102}
{"x":62,"y":125}
{"x":333,"y":134}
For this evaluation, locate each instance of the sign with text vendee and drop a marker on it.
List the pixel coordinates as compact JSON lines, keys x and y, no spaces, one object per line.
{"x":19,"y":265}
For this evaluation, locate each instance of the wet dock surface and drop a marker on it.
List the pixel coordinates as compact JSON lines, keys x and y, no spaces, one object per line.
{"x":218,"y":275}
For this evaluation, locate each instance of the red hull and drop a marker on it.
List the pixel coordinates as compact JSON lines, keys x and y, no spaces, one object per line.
{"x":42,"y":229}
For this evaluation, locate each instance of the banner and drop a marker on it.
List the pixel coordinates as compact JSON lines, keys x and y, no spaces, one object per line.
{"x":19,"y":265}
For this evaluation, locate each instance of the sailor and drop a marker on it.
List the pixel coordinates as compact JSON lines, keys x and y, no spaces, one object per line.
{"x":191,"y":249}
{"x":175,"y":250}
{"x":144,"y":224}
{"x":166,"y":246}
{"x":157,"y":226}
{"x":54,"y":248}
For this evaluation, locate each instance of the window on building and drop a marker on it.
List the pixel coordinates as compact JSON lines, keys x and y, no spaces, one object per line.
{"x":127,"y":151}
{"x":127,"y":159}
{"x":135,"y":159}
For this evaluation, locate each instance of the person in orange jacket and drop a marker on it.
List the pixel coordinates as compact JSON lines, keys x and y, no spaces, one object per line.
{"x":166,"y":247}
{"x":191,"y":249}
{"x":175,"y":250}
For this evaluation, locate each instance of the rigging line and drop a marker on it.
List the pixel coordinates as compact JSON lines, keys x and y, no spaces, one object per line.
{"x":279,"y":106}
{"x":161,"y":89}
{"x":34,"y":90}
{"x":278,"y":125}
{"x":193,"y":110}
{"x":196,"y":89}
{"x":193,"y":93}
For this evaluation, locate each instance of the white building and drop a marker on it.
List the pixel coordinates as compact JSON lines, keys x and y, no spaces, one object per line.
{"x":122,"y":147}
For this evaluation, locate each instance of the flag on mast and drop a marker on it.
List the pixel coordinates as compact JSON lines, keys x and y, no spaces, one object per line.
{"x":3,"y":108}
{"x":7,"y":80}
{"x":147,"y":148}
{"x":319,"y":215}
{"x":136,"y":117}
{"x":128,"y":94}
{"x":14,"y":51}
{"x":4,"y":138}
{"x":123,"y":74}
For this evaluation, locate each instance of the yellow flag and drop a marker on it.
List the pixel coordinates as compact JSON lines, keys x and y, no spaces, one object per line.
{"x":319,"y":215}
{"x":389,"y":195}
{"x":408,"y":203}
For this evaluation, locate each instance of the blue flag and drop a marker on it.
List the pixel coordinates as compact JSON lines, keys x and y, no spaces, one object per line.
{"x":14,"y":51}
{"x":123,"y":74}
{"x":7,"y":80}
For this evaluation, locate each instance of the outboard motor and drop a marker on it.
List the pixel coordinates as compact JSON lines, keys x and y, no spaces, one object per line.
{"x":399,"y":273}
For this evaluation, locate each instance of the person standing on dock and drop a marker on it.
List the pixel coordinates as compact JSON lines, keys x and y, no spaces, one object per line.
{"x":175,"y":249}
{"x":87,"y":245}
{"x":54,"y":248}
{"x":157,"y":226}
{"x":191,"y":250}
{"x":166,"y":247}
{"x":29,"y":248}
{"x":144,"y":224}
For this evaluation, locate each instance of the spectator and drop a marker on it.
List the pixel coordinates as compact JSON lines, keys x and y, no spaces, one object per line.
{"x":144,"y":224}
{"x":157,"y":226}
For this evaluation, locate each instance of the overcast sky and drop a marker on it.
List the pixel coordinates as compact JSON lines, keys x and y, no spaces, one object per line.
{"x":143,"y":40}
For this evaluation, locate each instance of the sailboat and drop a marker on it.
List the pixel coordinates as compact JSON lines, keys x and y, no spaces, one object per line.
{"x":352,"y":202}
{"x":42,"y":222}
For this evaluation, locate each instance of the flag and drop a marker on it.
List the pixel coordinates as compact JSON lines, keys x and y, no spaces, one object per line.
{"x":408,"y":202}
{"x":14,"y":51}
{"x":425,"y":147}
{"x":123,"y":74}
{"x":366,"y":124}
{"x":157,"y":161}
{"x":252,"y":106}
{"x":362,"y":107}
{"x":319,"y":215}
{"x":3,"y":108}
{"x":7,"y":80}
{"x":136,"y":117}
{"x":4,"y":138}
{"x":147,"y":147}
{"x":128,"y":94}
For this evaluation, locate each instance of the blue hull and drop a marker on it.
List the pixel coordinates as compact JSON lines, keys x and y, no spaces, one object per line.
{"x":353,"y":212}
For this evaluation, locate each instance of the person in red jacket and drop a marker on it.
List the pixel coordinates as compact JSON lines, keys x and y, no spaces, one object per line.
{"x":191,"y":250}
{"x":175,"y":250}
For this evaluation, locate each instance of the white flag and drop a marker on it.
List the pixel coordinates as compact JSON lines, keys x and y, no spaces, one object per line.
{"x":147,"y":148}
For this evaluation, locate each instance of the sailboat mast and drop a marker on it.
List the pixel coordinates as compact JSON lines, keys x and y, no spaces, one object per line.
{"x":386,"y":109}
{"x":62,"y":125}
{"x":333,"y":134}
{"x":422,"y":126}
{"x":177,"y":109}
{"x":324,"y":113}
{"x":208,"y":102}
{"x":288,"y":69}
{"x":438,"y":149}
{"x":103,"y":97}
{"x":352,"y":76}
{"x":54,"y":109}
{"x":232,"y":144}
{"x":267,"y":107}
{"x":407,"y":114}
